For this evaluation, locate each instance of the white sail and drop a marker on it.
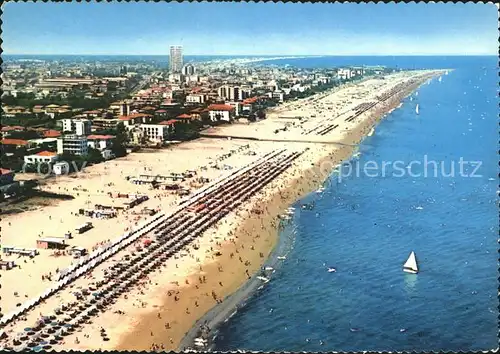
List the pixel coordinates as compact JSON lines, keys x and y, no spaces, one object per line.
{"x":416,"y":109}
{"x":411,"y":264}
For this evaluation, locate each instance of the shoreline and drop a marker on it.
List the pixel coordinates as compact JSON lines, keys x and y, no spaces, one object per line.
{"x":221,"y":313}
{"x":248,"y":232}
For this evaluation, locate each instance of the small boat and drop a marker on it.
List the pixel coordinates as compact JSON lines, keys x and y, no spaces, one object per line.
{"x":264,"y":279}
{"x":416,"y":109}
{"x":411,"y":264}
{"x":268,"y":268}
{"x":332,"y":270}
{"x":371,"y":132}
{"x":440,"y":79}
{"x":411,"y":98}
{"x":320,"y":190}
{"x":281,"y":257}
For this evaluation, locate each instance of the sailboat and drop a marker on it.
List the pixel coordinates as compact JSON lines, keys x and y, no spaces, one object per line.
{"x":416,"y":109}
{"x":411,"y":264}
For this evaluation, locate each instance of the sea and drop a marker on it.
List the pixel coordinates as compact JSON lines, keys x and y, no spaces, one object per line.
{"x":365,"y":224}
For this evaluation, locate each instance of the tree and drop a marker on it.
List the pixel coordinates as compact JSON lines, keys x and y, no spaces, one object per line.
{"x":185,"y":131}
{"x":94,"y":156}
{"x":118,"y":150}
{"x":24,"y":135}
{"x":121,"y":134}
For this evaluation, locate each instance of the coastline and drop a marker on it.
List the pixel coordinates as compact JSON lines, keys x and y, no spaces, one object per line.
{"x":155,"y":318}
{"x":235,"y":301}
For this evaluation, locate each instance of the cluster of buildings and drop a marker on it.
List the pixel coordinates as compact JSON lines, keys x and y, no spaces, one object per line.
{"x":188,"y":94}
{"x":42,"y":82}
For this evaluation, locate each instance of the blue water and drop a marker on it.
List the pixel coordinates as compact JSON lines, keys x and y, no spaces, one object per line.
{"x":366,"y":227}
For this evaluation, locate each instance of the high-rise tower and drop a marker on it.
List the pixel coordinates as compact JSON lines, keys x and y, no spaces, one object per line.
{"x":176,"y":61}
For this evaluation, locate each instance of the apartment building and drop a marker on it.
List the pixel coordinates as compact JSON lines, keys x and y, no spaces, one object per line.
{"x":176,"y":59}
{"x":77,"y":126}
{"x":195,"y":99}
{"x":41,"y":157}
{"x":72,"y":144}
{"x":220,"y":112}
{"x":136,"y":118}
{"x":157,"y":133}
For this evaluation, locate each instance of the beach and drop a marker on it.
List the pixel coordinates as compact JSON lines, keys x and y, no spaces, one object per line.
{"x":193,"y":280}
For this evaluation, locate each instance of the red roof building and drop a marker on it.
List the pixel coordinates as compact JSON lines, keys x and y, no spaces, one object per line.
{"x":16,"y":142}
{"x":4,"y":171}
{"x":100,"y":137}
{"x":220,"y":107}
{"x":46,"y":153}
{"x":168,"y":122}
{"x":9,"y":128}
{"x":250,"y":100}
{"x":51,"y":133}
{"x":136,"y":118}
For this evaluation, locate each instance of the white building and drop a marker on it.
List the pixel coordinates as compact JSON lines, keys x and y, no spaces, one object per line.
{"x":195,"y":98}
{"x":238,"y":107}
{"x":279,"y":95}
{"x":72,"y":144}
{"x":100,"y":142}
{"x":233,"y":93}
{"x":157,"y":133}
{"x":175,"y":77}
{"x":61,"y":168}
{"x":41,"y":157}
{"x":188,"y":70}
{"x":220,"y":112}
{"x":77,"y":126}
{"x":344,"y":74}
{"x":175,"y":59}
{"x":191,"y":78}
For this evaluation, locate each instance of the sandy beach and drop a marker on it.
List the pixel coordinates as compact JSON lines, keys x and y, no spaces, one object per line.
{"x":157,"y":313}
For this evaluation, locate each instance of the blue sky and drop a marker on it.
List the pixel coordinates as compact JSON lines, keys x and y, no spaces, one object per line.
{"x":250,"y":28}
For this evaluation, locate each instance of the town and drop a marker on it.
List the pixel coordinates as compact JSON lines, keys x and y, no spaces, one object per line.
{"x":61,"y":114}
{"x":164,"y":170}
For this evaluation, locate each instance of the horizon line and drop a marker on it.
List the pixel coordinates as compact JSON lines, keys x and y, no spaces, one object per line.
{"x":272,"y":55}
